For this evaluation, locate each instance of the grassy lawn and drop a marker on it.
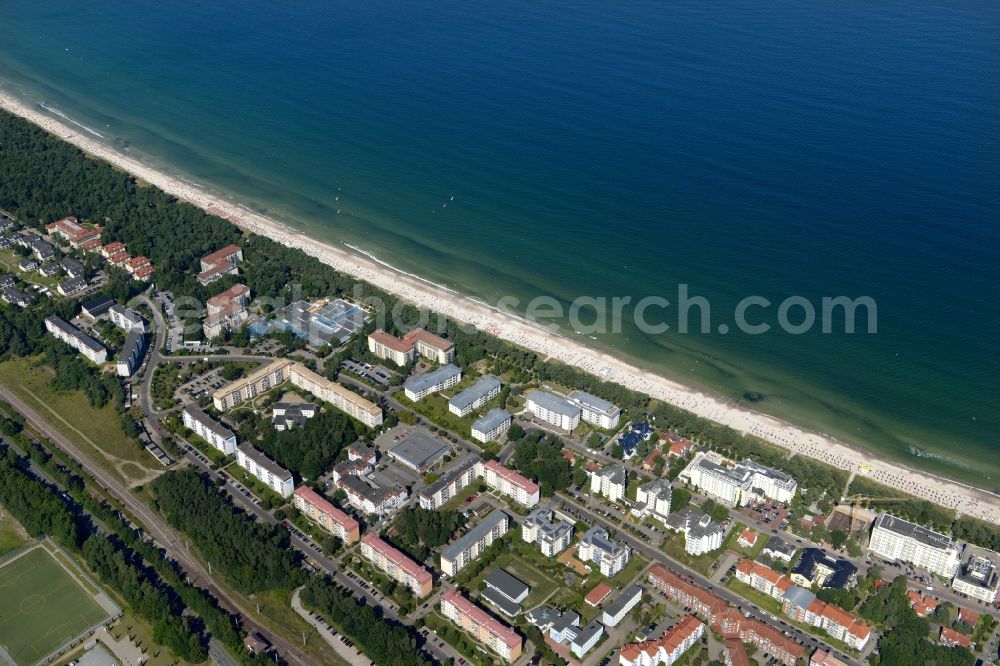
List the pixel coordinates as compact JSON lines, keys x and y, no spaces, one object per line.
{"x":434,"y":408}
{"x":542,"y":580}
{"x":96,"y":431}
{"x":277,"y":612}
{"x":751,"y":553}
{"x":166,"y":380}
{"x":636,"y":563}
{"x":12,"y":535}
{"x":456,"y":638}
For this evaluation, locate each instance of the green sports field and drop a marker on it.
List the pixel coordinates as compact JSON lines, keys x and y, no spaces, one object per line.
{"x":43,"y":607}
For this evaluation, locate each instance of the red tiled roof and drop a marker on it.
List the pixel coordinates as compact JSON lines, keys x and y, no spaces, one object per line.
{"x":737,"y":654}
{"x":427,"y":338}
{"x":321,"y":503}
{"x":749,"y":536}
{"x":228,"y":296}
{"x":390,"y":341}
{"x":968,"y":615}
{"x":951,"y":638}
{"x":671,"y":640}
{"x":395,"y":556}
{"x":220,"y":255}
{"x":145,"y":271}
{"x":499,"y":629}
{"x":522,"y":482}
{"x":598,"y":594}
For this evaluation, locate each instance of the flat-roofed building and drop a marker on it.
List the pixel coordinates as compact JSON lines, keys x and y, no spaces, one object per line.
{"x":701,"y":533}
{"x":521,"y":489}
{"x":77,"y":339}
{"x":321,"y":511}
{"x":371,"y":499}
{"x":667,"y":650}
{"x":491,"y":632}
{"x":350,"y":403}
{"x":469,"y":546}
{"x":626,"y":600}
{"x":450,"y":484}
{"x":131,"y":354}
{"x":419,"y":451}
{"x":126,"y":318}
{"x":273,"y":475}
{"x":259,"y":381}
{"x":552,"y":536}
{"x":554,"y":410}
{"x":653,"y":499}
{"x":609,"y":481}
{"x":491,"y":425}
{"x":596,"y":547}
{"x":436,"y":380}
{"x":595,"y":410}
{"x":977,"y":578}
{"x":468,"y":400}
{"x":504,"y":592}
{"x":396,"y":565}
{"x":897,"y":539}
{"x":213,"y":432}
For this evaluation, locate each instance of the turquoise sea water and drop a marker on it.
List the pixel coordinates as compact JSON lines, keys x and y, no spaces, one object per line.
{"x":608,"y":149}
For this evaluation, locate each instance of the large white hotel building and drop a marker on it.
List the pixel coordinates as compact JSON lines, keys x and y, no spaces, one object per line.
{"x":737,"y":483}
{"x":897,"y":539}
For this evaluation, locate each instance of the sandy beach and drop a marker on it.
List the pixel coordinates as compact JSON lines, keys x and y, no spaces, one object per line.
{"x":951,"y":494}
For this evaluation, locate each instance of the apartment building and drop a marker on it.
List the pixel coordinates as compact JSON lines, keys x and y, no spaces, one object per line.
{"x":468,"y":400}
{"x":277,"y":372}
{"x":597,"y":548}
{"x":616,"y":611}
{"x":226,"y":311}
{"x":318,"y":509}
{"x":978,"y":579}
{"x":273,"y":475}
{"x":701,"y":533}
{"x":77,"y":339}
{"x":522,"y":490}
{"x":396,"y":565}
{"x":74,"y":232}
{"x":552,"y":536}
{"x":653,"y":499}
{"x":415,"y":342}
{"x":763,"y":578}
{"x":209,"y":429}
{"x":734,"y":626}
{"x":219,"y":263}
{"x":450,"y":484}
{"x":609,"y":482}
{"x":679,"y":590}
{"x":126,"y":319}
{"x":667,"y":650}
{"x":483,"y":627}
{"x":436,"y":380}
{"x":369,"y":498}
{"x":900,"y":540}
{"x":491,"y":425}
{"x":468,"y":547}
{"x":596,"y":411}
{"x":554,"y":410}
{"x":740,"y":483}
{"x":131,"y":354}
{"x":802,"y":605}
{"x":563,"y":627}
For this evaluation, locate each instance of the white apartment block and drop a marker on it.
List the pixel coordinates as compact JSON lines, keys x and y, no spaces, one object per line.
{"x":450,"y":484}
{"x":126,"y":318}
{"x":609,"y":482}
{"x":897,"y":539}
{"x":469,"y":400}
{"x":209,"y":429}
{"x":415,"y":342}
{"x":77,"y":339}
{"x":740,"y":483}
{"x":491,"y":425}
{"x":701,"y":533}
{"x":597,"y":548}
{"x":422,"y":386}
{"x":554,"y":410}
{"x":552,"y":536}
{"x":469,"y":546}
{"x":977,"y":579}
{"x":596,"y":411}
{"x":522,"y":490}
{"x":273,"y":475}
{"x":653,"y":499}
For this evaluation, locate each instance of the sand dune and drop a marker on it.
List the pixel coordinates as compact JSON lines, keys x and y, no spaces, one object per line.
{"x":964,"y":499}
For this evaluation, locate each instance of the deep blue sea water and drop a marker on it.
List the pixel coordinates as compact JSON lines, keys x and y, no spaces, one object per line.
{"x":608,"y":149}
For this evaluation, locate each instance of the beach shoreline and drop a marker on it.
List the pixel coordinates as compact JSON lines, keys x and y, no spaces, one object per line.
{"x":963,"y":498}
